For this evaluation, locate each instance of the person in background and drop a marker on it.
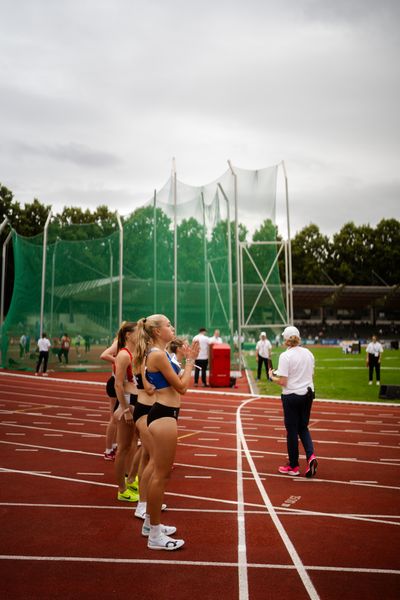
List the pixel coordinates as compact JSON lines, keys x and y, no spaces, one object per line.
{"x":263,"y":355}
{"x":110,"y":451}
{"x":87,"y":343}
{"x":43,"y":345}
{"x":22,"y":343}
{"x":295,"y":375}
{"x":28,"y":344}
{"x":202,"y":359}
{"x":65,"y":346}
{"x":126,"y":390}
{"x":216,"y":338}
{"x":374,"y":353}
{"x":78,"y":341}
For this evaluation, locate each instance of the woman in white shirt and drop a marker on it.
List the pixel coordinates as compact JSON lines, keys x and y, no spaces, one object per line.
{"x":43,"y":345}
{"x":374,"y":353}
{"x":295,"y":375}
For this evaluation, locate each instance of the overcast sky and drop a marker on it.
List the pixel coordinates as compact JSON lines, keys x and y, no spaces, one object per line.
{"x":97,"y":96}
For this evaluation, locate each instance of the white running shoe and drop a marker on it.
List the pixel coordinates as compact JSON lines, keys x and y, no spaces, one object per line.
{"x":141,"y":514}
{"x":165,"y":530}
{"x":163,"y":542}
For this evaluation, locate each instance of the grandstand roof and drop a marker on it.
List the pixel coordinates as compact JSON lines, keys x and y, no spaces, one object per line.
{"x":346,"y":296}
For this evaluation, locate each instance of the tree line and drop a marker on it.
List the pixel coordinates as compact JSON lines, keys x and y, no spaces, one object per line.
{"x":356,"y":255}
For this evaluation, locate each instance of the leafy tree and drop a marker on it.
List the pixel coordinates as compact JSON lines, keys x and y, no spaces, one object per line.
{"x":352,"y":255}
{"x":190,"y":237}
{"x":310,"y":253}
{"x":386,"y":252}
{"x":139,"y":244}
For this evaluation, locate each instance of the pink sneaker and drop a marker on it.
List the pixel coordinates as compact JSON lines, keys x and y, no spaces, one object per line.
{"x":312,"y":466}
{"x":288,"y":470}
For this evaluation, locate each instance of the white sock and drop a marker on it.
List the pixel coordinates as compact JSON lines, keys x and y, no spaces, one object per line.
{"x":108,"y":450}
{"x":146,"y":520}
{"x":141,"y":506}
{"x":155,"y":531}
{"x":114,"y":446}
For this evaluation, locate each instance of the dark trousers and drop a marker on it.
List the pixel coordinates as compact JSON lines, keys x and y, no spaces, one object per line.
{"x":297,"y":410}
{"x":63,"y":353}
{"x":203,"y":364}
{"x":263,"y":361}
{"x":373,"y":363}
{"x":43,"y":356}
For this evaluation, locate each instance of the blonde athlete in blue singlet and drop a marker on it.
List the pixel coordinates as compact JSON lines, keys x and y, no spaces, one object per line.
{"x":152,"y":336}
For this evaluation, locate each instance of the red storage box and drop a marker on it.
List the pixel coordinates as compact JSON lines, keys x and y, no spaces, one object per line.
{"x":220,"y":365}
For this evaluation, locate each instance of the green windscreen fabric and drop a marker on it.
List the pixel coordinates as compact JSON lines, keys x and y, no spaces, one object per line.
{"x":178,"y":258}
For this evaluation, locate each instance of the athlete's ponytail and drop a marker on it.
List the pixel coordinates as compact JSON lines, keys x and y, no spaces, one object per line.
{"x":126,"y":327}
{"x":145,"y":336}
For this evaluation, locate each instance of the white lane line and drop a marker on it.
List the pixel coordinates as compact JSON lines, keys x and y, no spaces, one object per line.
{"x":82,"y":473}
{"x":97,"y":435}
{"x":53,"y":435}
{"x":144,"y":561}
{"x":41,"y":422}
{"x":8,"y":422}
{"x":368,"y":443}
{"x":15,"y":433}
{"x":242,"y":549}
{"x":26,"y":450}
{"x":198,"y":477}
{"x":211,"y":427}
{"x":361,"y":481}
{"x":206,"y":454}
{"x":208,"y":440}
{"x":295,"y":512}
{"x":64,"y":414}
{"x":304,"y":576}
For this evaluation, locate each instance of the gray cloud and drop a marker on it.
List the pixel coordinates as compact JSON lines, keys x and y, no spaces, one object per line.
{"x":96,"y":97}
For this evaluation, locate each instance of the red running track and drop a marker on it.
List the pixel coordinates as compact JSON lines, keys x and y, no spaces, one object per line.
{"x":250,"y":532}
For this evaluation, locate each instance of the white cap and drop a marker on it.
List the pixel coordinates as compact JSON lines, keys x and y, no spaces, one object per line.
{"x":291,"y":331}
{"x":263,"y":333}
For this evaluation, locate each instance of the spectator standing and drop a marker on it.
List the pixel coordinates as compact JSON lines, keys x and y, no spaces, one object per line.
{"x":22,"y":343}
{"x":216,"y":338}
{"x":87,"y":343}
{"x":202,"y":359}
{"x":28,"y":344}
{"x":65,"y":346}
{"x":43,"y":345}
{"x":374,"y":353}
{"x":78,"y":341}
{"x":263,"y":355}
{"x":295,"y":375}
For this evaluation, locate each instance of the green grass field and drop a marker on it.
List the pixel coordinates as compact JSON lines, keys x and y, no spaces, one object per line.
{"x":337,"y":375}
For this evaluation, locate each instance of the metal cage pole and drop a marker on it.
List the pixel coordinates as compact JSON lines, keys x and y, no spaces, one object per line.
{"x":175,"y":246}
{"x":286,"y":281}
{"x":4,"y":223}
{"x":121,"y":267}
{"x":228,"y":210}
{"x":3,"y":278}
{"x":3,"y":272}
{"x":206,"y":273}
{"x":53,"y":275}
{"x":238,"y":280}
{"x":111,"y":286}
{"x":44,"y":257}
{"x":155,"y":251}
{"x":290,"y":281}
